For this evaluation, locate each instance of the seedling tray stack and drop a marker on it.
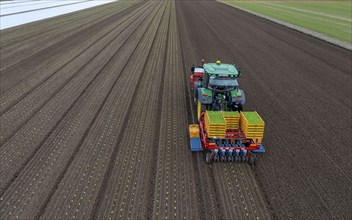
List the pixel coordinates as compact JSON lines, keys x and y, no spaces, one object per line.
{"x":232,"y":120}
{"x":252,"y":125}
{"x":215,"y":124}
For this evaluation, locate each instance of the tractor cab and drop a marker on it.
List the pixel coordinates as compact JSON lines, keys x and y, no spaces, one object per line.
{"x":220,"y":77}
{"x":215,"y":87}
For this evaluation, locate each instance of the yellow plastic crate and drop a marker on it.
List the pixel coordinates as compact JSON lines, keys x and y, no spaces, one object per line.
{"x":254,"y":134}
{"x":215,"y":124}
{"x":193,"y":131}
{"x":232,"y":120}
{"x":252,"y":125}
{"x":254,"y":129}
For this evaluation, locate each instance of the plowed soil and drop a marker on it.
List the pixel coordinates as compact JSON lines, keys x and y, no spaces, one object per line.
{"x":95,"y":107}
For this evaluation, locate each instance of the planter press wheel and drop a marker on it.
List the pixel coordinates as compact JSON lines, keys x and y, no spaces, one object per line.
{"x":208,"y":158}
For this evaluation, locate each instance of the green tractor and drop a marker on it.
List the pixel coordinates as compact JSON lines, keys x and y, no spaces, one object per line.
{"x":215,"y":87}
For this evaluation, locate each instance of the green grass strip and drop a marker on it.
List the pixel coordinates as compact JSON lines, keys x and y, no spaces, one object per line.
{"x":331,"y":18}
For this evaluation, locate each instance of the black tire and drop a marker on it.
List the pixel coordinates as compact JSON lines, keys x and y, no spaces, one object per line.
{"x":252,"y":161}
{"x":208,"y":158}
{"x":217,"y":158}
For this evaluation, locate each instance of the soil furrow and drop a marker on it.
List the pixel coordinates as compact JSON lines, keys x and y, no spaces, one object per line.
{"x":95,"y":108}
{"x":34,"y":101}
{"x":205,"y":186}
{"x":45,"y":120}
{"x":125,"y":195}
{"x":61,"y":146}
{"x":289,"y":87}
{"x":60,"y":71}
{"x":39,"y":45}
{"x":14,"y":36}
{"x":50,"y":54}
{"x":109,"y":125}
{"x":174,"y":196}
{"x":223,"y":189}
{"x":332,"y":64}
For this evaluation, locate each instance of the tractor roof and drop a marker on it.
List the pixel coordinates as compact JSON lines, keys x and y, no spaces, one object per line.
{"x":213,"y":68}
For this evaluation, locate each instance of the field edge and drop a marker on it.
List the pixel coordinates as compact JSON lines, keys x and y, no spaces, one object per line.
{"x":320,"y":36}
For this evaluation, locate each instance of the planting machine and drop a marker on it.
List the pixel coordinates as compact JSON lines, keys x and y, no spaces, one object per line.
{"x":224,"y":131}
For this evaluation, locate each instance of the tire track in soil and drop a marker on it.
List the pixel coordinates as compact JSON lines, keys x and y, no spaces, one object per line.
{"x":38,"y":171}
{"x":126,"y":194}
{"x":14,"y":154}
{"x":90,"y":165}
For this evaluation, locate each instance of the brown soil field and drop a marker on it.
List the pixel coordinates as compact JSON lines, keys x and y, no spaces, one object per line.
{"x":95,"y":107}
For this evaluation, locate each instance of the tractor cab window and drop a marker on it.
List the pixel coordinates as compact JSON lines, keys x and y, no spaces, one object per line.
{"x":214,"y":78}
{"x":198,"y":70}
{"x":221,"y":77}
{"x":222,"y":80}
